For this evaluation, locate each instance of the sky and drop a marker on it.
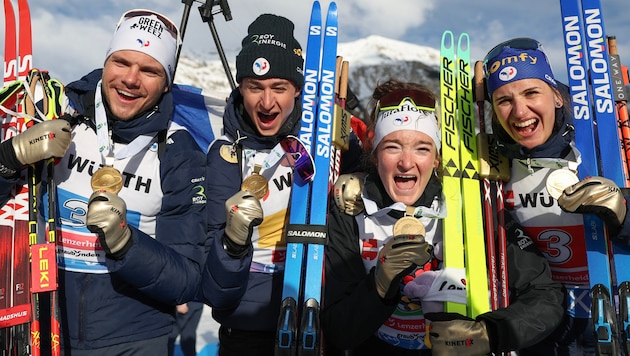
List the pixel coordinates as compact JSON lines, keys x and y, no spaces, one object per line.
{"x":71,"y":36}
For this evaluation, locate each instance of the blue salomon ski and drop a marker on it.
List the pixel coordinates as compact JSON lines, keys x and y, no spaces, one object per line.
{"x":589,"y":77}
{"x":307,"y":222}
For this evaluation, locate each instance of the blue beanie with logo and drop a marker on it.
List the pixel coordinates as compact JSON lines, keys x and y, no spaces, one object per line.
{"x":513,"y":64}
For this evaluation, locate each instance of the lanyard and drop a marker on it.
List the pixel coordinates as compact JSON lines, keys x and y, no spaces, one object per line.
{"x":439,"y":212}
{"x":270,"y":160}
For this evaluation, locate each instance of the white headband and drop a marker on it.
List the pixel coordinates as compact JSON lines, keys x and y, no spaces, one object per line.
{"x":147,"y":33}
{"x":406,"y":117}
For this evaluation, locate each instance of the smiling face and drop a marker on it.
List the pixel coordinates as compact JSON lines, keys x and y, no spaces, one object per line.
{"x":405,"y":161}
{"x":269,"y":102}
{"x":133,"y":83}
{"x":526,"y":110}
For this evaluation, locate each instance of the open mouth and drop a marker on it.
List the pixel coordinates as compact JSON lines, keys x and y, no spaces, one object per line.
{"x":267,"y":118}
{"x":405,"y":182}
{"x":525,"y":127}
{"x":125,"y":95}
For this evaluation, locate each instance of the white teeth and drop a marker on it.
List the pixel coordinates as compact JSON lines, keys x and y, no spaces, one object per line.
{"x":525,"y":123}
{"x":406,"y":177}
{"x":121,"y":92}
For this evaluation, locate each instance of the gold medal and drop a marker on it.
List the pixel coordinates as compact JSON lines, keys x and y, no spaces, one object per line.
{"x":256,"y":184}
{"x":107,"y":178}
{"x":409,"y":224}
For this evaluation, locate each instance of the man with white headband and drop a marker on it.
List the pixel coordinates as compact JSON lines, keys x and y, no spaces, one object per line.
{"x":130,"y":193}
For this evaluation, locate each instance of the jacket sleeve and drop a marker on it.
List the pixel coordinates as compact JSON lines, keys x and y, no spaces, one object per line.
{"x":536,"y":301}
{"x":5,"y":189}
{"x":224,"y":278}
{"x":623,"y":237}
{"x":352,"y":310}
{"x":167,"y":268}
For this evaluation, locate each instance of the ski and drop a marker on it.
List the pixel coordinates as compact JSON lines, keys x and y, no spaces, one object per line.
{"x":451,"y":180}
{"x":588,"y":69}
{"x":306,"y":233}
{"x":619,"y":75}
{"x":21,"y":215}
{"x":14,"y":224}
{"x":620,"y":81}
{"x":7,"y":313}
{"x":474,"y":244}
{"x":620,"y":98}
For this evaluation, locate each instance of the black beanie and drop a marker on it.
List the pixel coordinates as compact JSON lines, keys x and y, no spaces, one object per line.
{"x":270,"y":51}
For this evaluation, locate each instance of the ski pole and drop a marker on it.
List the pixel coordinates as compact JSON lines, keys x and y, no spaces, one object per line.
{"x":492,"y":161}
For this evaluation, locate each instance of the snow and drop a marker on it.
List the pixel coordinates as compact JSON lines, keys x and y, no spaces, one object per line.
{"x":377,"y":50}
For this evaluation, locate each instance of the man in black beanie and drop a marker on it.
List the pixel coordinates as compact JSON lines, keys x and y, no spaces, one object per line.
{"x":248,"y":195}
{"x":270,"y":59}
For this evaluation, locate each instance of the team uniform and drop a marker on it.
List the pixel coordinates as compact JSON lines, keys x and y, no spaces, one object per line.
{"x":558,"y":234}
{"x":353,"y":310}
{"x":236,"y":288}
{"x":106,"y":302}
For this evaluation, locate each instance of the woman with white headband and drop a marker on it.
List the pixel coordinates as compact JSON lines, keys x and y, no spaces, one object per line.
{"x":384,"y":256}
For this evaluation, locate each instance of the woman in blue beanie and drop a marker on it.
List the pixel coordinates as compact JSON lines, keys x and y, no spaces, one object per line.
{"x":533,"y":123}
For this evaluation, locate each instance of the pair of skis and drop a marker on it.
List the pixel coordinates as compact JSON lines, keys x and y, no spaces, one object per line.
{"x":15,"y":299}
{"x":298,"y":330}
{"x":595,"y":121}
{"x":464,"y":245}
{"x":28,"y":267}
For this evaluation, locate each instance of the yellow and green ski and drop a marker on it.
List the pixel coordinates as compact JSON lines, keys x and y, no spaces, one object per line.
{"x":464,"y":241}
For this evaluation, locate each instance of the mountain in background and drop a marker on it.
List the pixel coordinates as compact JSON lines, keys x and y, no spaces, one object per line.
{"x":371,"y":60}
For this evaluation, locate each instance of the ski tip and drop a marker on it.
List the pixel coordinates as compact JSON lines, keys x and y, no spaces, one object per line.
{"x":448,"y":39}
{"x":332,"y":7}
{"x":316,"y":6}
{"x":331,"y":21}
{"x":463,"y":43}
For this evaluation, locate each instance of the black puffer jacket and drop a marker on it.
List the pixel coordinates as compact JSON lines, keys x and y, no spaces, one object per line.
{"x":353,"y":310}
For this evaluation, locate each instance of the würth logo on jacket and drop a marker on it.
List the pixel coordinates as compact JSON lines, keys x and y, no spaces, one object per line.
{"x":130,"y":180}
